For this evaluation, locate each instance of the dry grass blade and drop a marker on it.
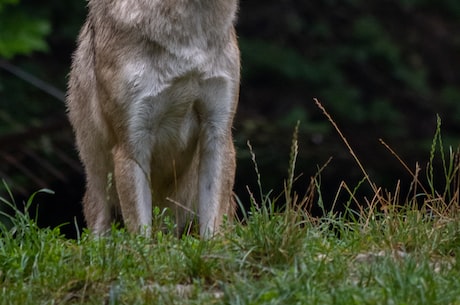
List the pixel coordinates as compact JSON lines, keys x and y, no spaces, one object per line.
{"x":344,"y":139}
{"x":406,"y":167}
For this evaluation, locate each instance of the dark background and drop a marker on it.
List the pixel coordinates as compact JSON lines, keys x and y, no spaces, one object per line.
{"x":383,"y":69}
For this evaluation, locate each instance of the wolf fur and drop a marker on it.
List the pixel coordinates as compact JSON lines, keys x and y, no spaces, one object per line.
{"x":152,"y":93}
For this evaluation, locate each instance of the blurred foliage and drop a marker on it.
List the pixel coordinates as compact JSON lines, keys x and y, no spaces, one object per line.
{"x":20,"y":31}
{"x":38,"y":37}
{"x":5,"y":2}
{"x":387,"y":67}
{"x":361,"y":58}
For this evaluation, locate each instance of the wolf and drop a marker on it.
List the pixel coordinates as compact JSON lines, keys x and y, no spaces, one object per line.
{"x":152,"y":94}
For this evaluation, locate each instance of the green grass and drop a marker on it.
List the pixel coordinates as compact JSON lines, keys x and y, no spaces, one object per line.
{"x":393,"y":249}
{"x":393,"y":258}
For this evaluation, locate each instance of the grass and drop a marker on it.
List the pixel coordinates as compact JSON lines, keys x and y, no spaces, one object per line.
{"x":393,"y":249}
